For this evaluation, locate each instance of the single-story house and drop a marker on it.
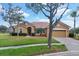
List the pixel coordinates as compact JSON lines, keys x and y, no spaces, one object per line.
{"x":61,"y":29}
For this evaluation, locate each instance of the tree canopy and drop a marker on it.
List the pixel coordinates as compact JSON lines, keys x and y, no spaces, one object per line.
{"x":12,"y":15}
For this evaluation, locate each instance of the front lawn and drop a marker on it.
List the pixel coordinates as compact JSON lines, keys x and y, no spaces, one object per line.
{"x":35,"y":50}
{"x":7,"y":40}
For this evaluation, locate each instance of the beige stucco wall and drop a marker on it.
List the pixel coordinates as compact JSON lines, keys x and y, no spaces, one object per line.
{"x":67,"y":33}
{"x":24,"y":28}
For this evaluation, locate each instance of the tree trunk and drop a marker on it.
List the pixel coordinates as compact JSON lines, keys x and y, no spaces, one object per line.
{"x":74,"y":26}
{"x":10,"y":31}
{"x":13,"y":29}
{"x":50,"y":34}
{"x":18,"y":29}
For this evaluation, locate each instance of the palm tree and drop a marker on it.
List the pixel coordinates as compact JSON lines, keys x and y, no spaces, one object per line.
{"x":74,"y":15}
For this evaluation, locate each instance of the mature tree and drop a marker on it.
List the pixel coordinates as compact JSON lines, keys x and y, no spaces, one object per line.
{"x":12,"y":15}
{"x":18,"y":17}
{"x":49,"y":10}
{"x":6,"y":15}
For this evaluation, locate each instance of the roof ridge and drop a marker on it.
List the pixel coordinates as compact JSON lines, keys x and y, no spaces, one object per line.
{"x":64,"y":23}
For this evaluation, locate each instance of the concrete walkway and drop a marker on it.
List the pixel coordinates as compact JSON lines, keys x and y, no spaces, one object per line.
{"x":21,"y":46}
{"x":72,"y":46}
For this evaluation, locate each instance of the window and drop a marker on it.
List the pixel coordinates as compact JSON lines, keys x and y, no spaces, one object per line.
{"x":40,"y":30}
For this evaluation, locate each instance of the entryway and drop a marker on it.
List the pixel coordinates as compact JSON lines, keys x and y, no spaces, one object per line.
{"x":29,"y":30}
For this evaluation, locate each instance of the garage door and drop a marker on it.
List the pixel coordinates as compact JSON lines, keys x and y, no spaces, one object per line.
{"x":59,"y":33}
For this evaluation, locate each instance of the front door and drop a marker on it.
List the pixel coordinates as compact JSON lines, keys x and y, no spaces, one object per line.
{"x":29,"y":30}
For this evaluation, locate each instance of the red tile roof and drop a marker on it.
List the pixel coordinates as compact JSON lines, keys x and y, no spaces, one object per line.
{"x":45,"y":24}
{"x":40,"y":24}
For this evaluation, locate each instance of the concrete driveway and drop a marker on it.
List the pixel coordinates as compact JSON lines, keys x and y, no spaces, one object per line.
{"x":72,"y":46}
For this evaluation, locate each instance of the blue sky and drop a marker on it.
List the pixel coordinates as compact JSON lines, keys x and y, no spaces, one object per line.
{"x":32,"y":17}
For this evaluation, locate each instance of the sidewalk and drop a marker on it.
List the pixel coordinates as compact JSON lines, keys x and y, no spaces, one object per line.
{"x":21,"y":46}
{"x":67,"y":53}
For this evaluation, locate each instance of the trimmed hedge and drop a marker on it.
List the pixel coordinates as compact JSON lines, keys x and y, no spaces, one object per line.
{"x":20,"y":34}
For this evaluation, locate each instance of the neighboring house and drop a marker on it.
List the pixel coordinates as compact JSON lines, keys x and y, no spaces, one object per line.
{"x":61,"y":29}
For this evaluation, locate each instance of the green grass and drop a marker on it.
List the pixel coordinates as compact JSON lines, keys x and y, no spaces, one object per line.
{"x":7,"y":40}
{"x":35,"y":50}
{"x":77,"y":37}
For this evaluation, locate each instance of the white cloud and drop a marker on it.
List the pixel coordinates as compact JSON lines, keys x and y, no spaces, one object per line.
{"x":43,"y":20}
{"x":1,"y":10}
{"x":24,"y":13}
{"x":60,"y":11}
{"x":4,"y":23}
{"x":70,"y":21}
{"x":69,"y":17}
{"x":0,"y":6}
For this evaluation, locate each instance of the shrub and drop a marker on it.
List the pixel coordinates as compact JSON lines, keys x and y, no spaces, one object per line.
{"x":33,"y":34}
{"x":40,"y":30}
{"x":71,"y":34}
{"x":20,"y":34}
{"x":13,"y":34}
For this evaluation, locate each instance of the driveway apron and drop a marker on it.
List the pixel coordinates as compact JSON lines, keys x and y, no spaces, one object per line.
{"x":71,"y":44}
